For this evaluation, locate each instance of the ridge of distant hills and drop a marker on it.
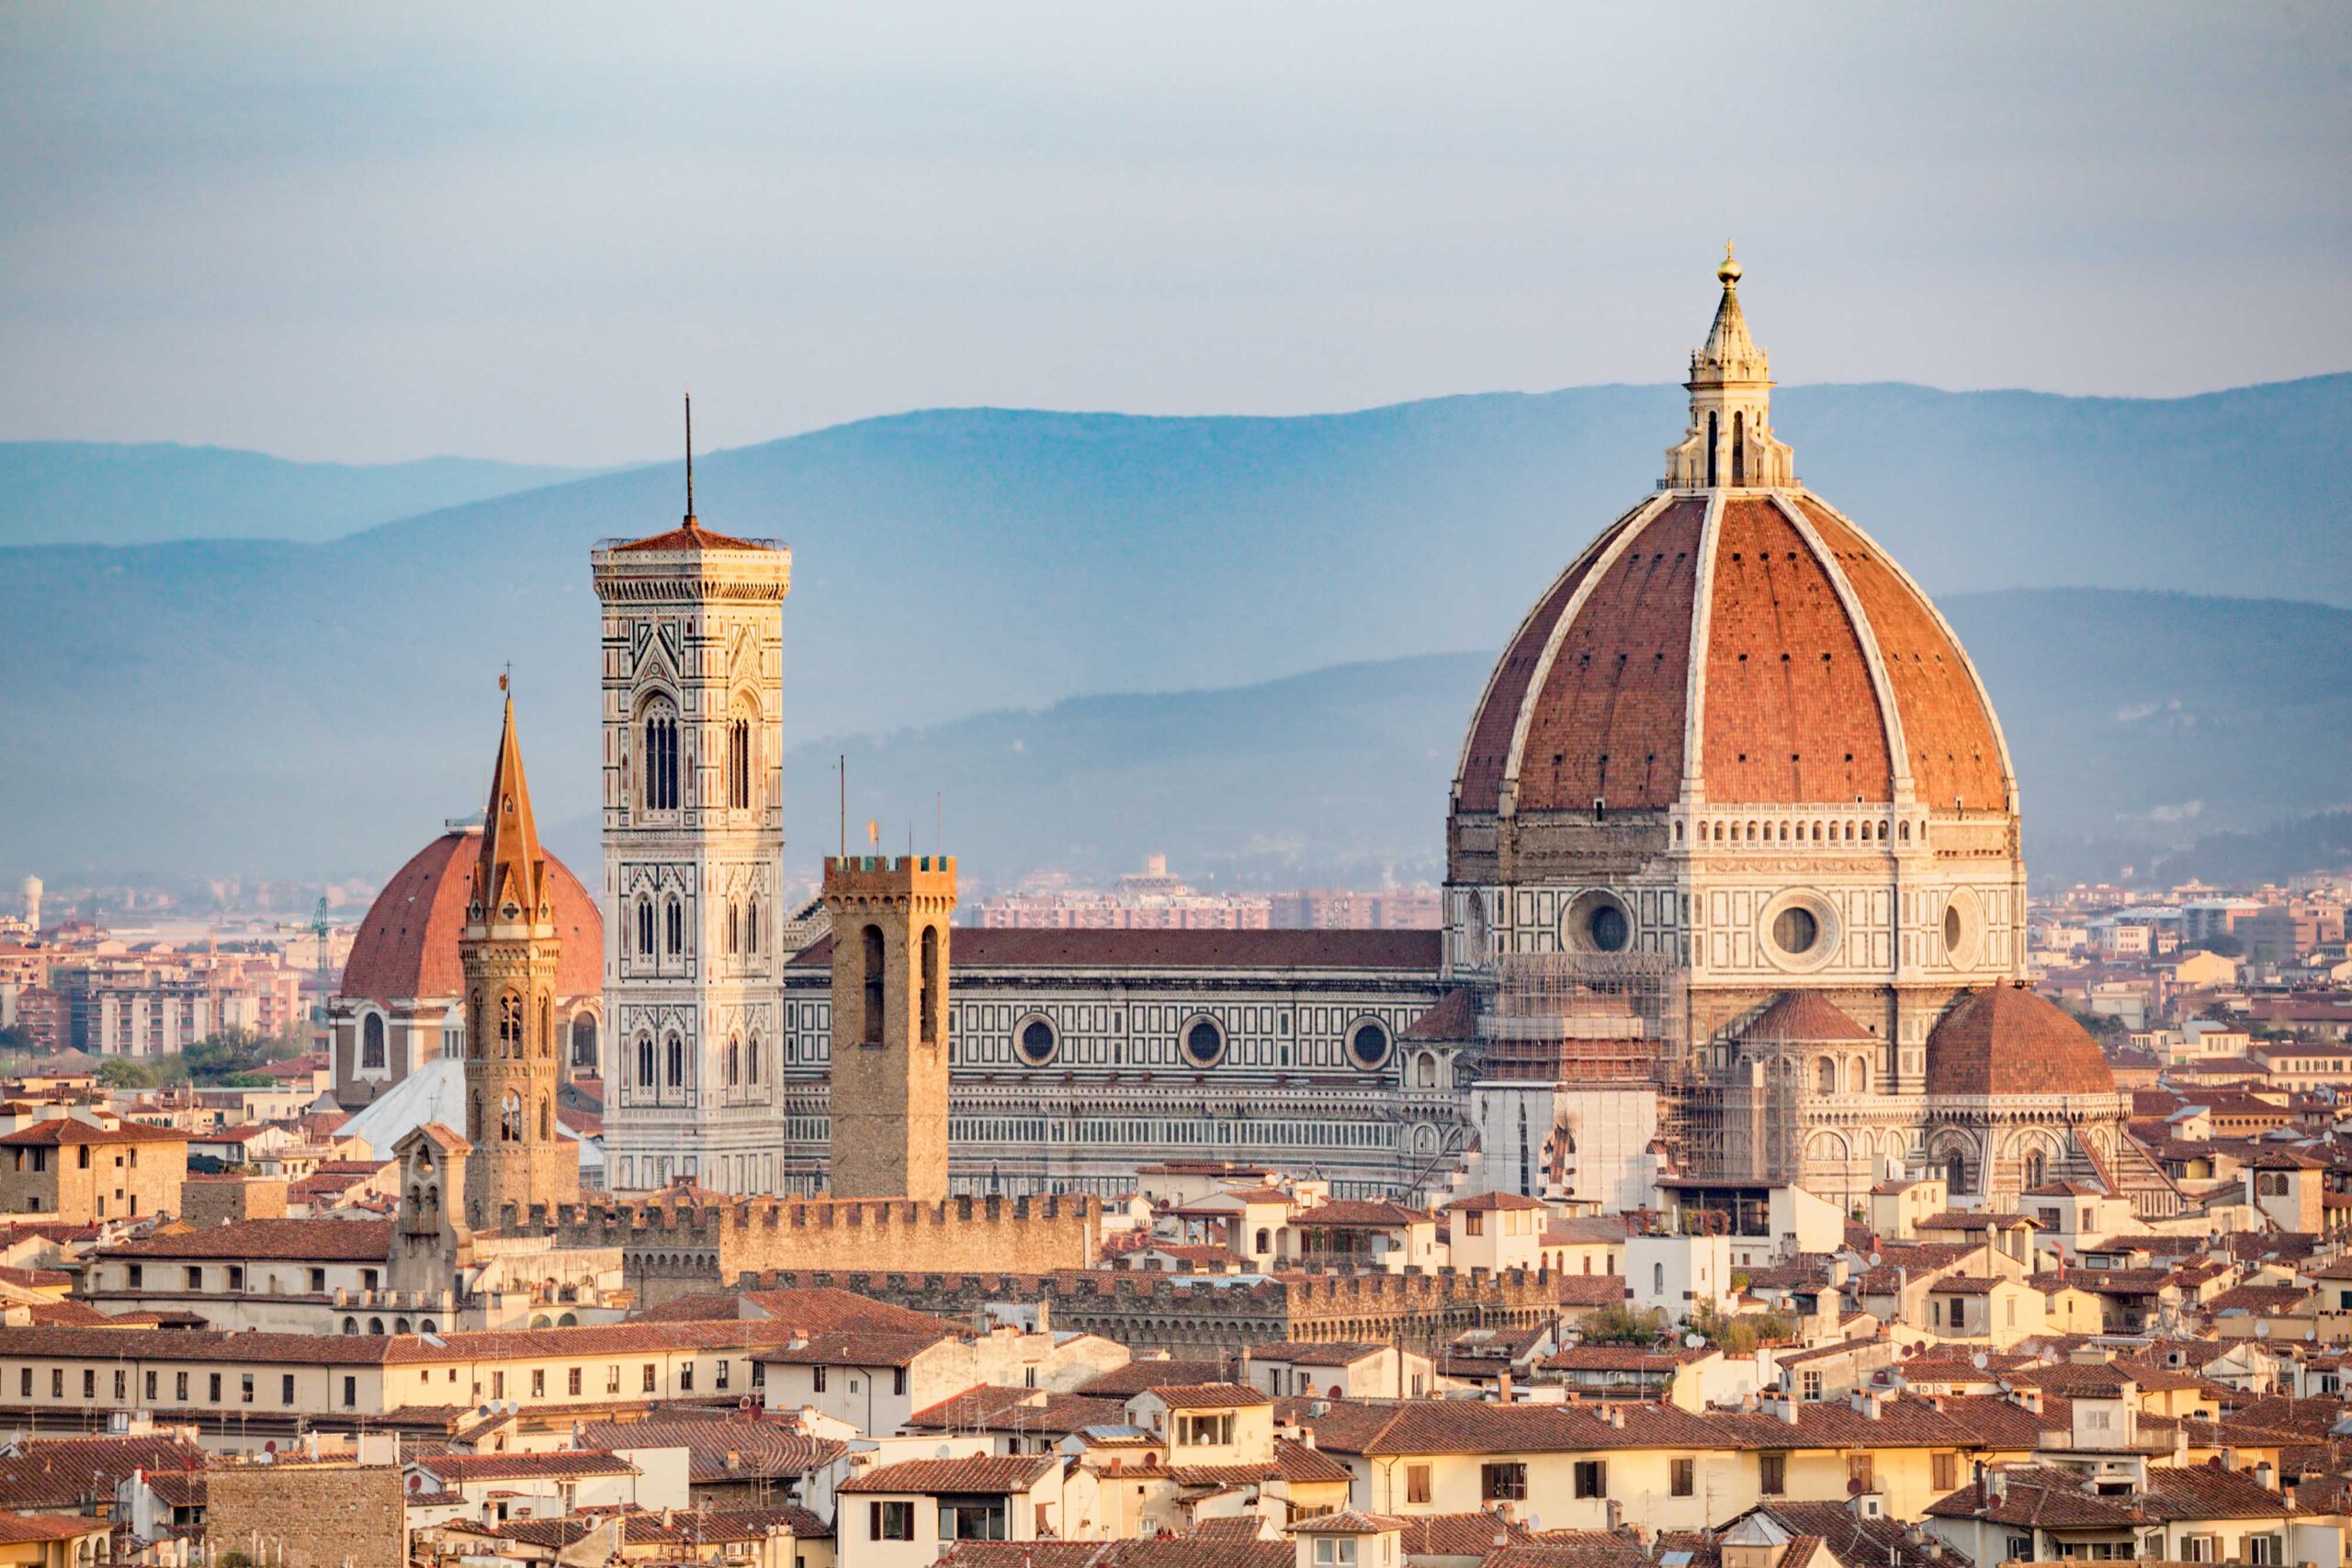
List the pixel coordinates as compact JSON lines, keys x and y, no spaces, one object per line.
{"x":284,"y":708}
{"x":102,"y":492}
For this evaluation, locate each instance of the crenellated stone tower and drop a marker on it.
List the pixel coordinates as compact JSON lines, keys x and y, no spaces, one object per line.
{"x":694,"y":854}
{"x":508,"y":955}
{"x":889,"y":1017}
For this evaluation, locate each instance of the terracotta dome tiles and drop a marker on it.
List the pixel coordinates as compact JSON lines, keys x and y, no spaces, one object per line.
{"x":2007,"y":1040}
{"x":1609,"y":722}
{"x":407,"y":947}
{"x":1489,"y":746}
{"x":1792,"y":714}
{"x":1950,"y":740}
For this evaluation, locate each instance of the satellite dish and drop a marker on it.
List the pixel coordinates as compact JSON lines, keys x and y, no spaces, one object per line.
{"x":1980,"y":1361}
{"x":1853,"y":1487}
{"x":1692,"y":1341}
{"x":1873,"y":1259}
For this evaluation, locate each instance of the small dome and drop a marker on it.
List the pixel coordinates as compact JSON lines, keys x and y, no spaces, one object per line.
{"x":1806,"y":1018}
{"x":407,"y":947}
{"x":2010,"y":1040}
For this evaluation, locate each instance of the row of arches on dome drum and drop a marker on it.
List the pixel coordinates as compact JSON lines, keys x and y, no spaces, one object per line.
{"x":662,"y":778}
{"x":1202,"y":1042}
{"x":1853,"y":830}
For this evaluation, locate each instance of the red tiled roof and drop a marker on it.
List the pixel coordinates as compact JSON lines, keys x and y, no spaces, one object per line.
{"x":1456,"y":1016}
{"x":1489,"y":1202}
{"x":407,"y":945}
{"x":2010,"y":1040}
{"x":692,"y":535}
{"x":300,"y":1241}
{"x":985,"y":1472}
{"x":455,"y":1469}
{"x":1361,"y":1213}
{"x":1807,"y":1018}
{"x":1120,"y":1382}
{"x":67,"y":1130}
{"x":1026,"y":948}
{"x":1207,"y":1395}
{"x":728,"y":1446}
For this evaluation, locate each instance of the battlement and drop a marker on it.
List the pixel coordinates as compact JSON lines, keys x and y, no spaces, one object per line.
{"x":890,"y":876}
{"x":668,"y":1249}
{"x":1192,"y":1312}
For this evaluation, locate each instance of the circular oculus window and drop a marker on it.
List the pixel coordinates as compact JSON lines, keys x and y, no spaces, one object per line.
{"x":1795,"y":930}
{"x":1799,"y":929}
{"x":1037,"y":1042}
{"x":1368,"y":1043}
{"x":1204,"y":1043}
{"x":1598,"y":922}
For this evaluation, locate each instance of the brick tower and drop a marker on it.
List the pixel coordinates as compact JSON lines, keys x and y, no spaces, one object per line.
{"x":889,"y":1020}
{"x":509,"y":953}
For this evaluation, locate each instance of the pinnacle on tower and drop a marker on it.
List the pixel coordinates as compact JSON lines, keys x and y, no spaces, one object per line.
{"x":1730,"y":440}
{"x":511,"y":871}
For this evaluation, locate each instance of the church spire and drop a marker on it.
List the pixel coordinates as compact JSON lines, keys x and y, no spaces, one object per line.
{"x":1730,"y":440}
{"x":690,"y":461}
{"x":511,"y":870}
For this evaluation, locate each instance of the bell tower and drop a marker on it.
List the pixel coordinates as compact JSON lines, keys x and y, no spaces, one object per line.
{"x":693,"y":667}
{"x":508,"y":955}
{"x":889,"y":1019}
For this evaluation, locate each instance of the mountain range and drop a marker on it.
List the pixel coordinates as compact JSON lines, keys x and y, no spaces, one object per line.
{"x":99,"y":492}
{"x":1291,"y":588}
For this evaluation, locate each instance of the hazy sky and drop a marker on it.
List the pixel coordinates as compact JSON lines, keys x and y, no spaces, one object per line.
{"x":383,"y":232}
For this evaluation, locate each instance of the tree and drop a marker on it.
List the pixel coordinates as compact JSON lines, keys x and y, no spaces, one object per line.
{"x":121,"y":1072}
{"x":1624,"y":1324}
{"x":1738,"y":1335}
{"x":217,"y":1058}
{"x":17,"y":1038}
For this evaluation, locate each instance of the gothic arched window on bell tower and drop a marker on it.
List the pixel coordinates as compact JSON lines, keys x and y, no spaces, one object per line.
{"x":1711,"y":451}
{"x":660,"y":736}
{"x":870,"y":1026}
{"x":734,"y":1060}
{"x":751,"y":1063}
{"x":1739,"y":447}
{"x":644,"y":927}
{"x":674,"y":932}
{"x":645,"y":1061}
{"x":509,"y":1026}
{"x":734,"y":928}
{"x":510,"y":1118}
{"x":547,"y":1122}
{"x":677,"y":1053}
{"x":739,"y":763}
{"x":751,"y":926}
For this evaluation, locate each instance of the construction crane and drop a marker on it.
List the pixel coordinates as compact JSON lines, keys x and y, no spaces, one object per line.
{"x":326,"y":982}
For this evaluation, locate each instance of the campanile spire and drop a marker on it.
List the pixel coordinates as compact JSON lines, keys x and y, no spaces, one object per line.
{"x":1729,"y":443}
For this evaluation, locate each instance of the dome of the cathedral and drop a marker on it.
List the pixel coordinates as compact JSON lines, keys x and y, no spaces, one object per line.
{"x":2010,"y":1040}
{"x":407,"y":947}
{"x":1732,"y":640}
